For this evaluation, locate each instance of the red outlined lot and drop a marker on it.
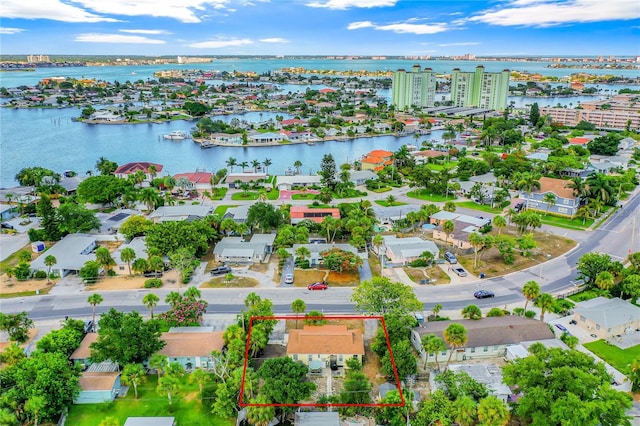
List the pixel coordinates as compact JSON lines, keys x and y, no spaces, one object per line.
{"x":242,"y":403}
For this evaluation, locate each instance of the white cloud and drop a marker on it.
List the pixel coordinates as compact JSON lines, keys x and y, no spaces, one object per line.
{"x":402,"y":28}
{"x":348,"y":4}
{"x":462,"y":43}
{"x":149,"y":32}
{"x":216,"y":44}
{"x":274,"y":40}
{"x":116,"y":38}
{"x":545,"y":13}
{"x":10,"y":31}
{"x":184,"y":10}
{"x":54,"y":10}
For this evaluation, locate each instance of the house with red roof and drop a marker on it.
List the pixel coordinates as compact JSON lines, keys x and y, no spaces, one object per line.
{"x":579,"y":141}
{"x":300,"y":213}
{"x":377,"y":159}
{"x":293,"y":122}
{"x":150,"y":170}
{"x":327,"y":90}
{"x":197,"y":180}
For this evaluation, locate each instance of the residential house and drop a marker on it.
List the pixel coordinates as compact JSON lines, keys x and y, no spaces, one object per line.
{"x":389,"y":215}
{"x":317,"y":418}
{"x":81,"y":356}
{"x":288,"y":182}
{"x":238,"y":250}
{"x":266,"y":138}
{"x":183,"y":212}
{"x":402,"y":251}
{"x":463,"y":226}
{"x":110,"y":223}
{"x":8,"y":211}
{"x":489,"y":375}
{"x":150,"y":170}
{"x":138,"y":245}
{"x":197,"y":180}
{"x":192,"y":350}
{"x":332,"y":345}
{"x":376,"y":160}
{"x":486,"y":338}
{"x":316,"y":249}
{"x":566,"y":203}
{"x":239,"y":214}
{"x":70,"y":183}
{"x":360,"y":177}
{"x":100,"y":383}
{"x":607,"y":318}
{"x":150,"y":421}
{"x":300,"y":213}
{"x":234,"y":180}
{"x":226,"y":139}
{"x":71,"y":253}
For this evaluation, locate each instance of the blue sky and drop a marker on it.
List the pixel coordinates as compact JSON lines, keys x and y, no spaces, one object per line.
{"x":321,"y":27}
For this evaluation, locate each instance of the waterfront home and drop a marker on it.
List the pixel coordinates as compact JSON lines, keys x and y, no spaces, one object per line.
{"x":191,"y":349}
{"x":8,"y":211}
{"x":234,"y":180}
{"x":300,"y":213}
{"x":150,"y":170}
{"x":266,"y":138}
{"x":72,"y":252}
{"x":183,"y":212}
{"x":360,"y":177}
{"x":197,"y":180}
{"x":607,"y":318}
{"x":376,"y":160}
{"x":325,"y":345}
{"x":315,"y":250}
{"x":566,"y":203}
{"x":226,"y":138}
{"x":238,"y":250}
{"x":486,"y":338}
{"x":402,"y":251}
{"x":289,"y":182}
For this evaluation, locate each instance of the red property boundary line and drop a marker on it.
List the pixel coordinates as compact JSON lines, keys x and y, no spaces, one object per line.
{"x":241,"y":403}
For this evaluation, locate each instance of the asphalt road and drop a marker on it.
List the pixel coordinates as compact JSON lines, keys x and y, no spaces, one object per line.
{"x":616,"y":237}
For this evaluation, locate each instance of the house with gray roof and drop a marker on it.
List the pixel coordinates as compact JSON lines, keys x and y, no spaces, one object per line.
{"x":486,"y":338}
{"x":177,"y":213}
{"x":238,"y":250}
{"x":317,"y":248}
{"x":288,"y":182}
{"x":138,"y":245}
{"x":317,"y":418}
{"x":359,"y":177}
{"x":8,"y":211}
{"x":391,"y":214}
{"x":607,"y":317}
{"x":71,"y":253}
{"x":489,"y":375}
{"x":402,"y":251}
{"x":239,"y":214}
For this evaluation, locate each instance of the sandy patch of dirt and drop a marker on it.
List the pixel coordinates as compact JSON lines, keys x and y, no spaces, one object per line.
{"x":170,"y":279}
{"x":8,"y":286}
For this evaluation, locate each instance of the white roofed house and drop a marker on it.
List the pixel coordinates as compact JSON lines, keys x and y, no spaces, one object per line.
{"x":71,"y":253}
{"x":233,"y":180}
{"x":489,"y":375}
{"x":238,"y":250}
{"x":138,"y":245}
{"x":184,"y":212}
{"x":288,"y":182}
{"x":266,"y":138}
{"x":402,"y":251}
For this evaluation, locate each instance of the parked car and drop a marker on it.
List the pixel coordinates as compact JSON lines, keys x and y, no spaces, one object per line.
{"x":5,"y":225}
{"x":153,"y":274}
{"x":573,"y":322}
{"x":221,"y":270}
{"x":561,"y":327}
{"x":288,"y":279}
{"x":460,"y":272}
{"x":320,"y":285}
{"x":450,"y":257}
{"x":483,"y":294}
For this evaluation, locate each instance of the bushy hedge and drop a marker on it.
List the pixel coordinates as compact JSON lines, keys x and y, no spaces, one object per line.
{"x":153,"y":283}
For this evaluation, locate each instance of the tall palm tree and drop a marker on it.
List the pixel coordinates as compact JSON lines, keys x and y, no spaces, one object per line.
{"x":128,"y":255}
{"x":150,"y":300}
{"x":231,"y":163}
{"x":455,"y":335}
{"x":531,"y":291}
{"x":298,"y":306}
{"x":297,"y":165}
{"x":550,"y":199}
{"x":49,"y":261}
{"x":255,"y":164}
{"x":466,"y":410}
{"x":599,"y":187}
{"x":432,"y":344}
{"x":544,"y":302}
{"x":94,"y":300}
{"x":266,"y":163}
{"x":244,"y":165}
{"x":133,"y":375}
{"x":578,"y":187}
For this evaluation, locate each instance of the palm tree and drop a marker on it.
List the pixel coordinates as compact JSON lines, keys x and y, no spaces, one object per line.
{"x":390,"y":200}
{"x":49,"y":261}
{"x":492,"y":412}
{"x":471,"y":312}
{"x":169,"y":385}
{"x":605,"y":280}
{"x":262,"y":412}
{"x":499,"y":222}
{"x":156,"y":264}
{"x":94,"y":300}
{"x":583,"y":213}
{"x":200,"y":377}
{"x":531,"y":291}
{"x":298,"y":306}
{"x":448,"y":227}
{"x":244,"y":165}
{"x":150,"y":300}
{"x":158,"y":362}
{"x":302,"y":253}
{"x":432,"y":344}
{"x":255,"y":164}
{"x":173,"y":298}
{"x":150,"y":197}
{"x":455,"y":335}
{"x":544,"y":302}
{"x":128,"y":255}
{"x":578,"y":187}
{"x":133,"y":375}
{"x":600,"y":187}
{"x":465,"y":410}
{"x":550,"y":199}
{"x":231,"y":163}
{"x":449,"y":206}
{"x":103,"y":257}
{"x":297,"y":165}
{"x":266,"y":163}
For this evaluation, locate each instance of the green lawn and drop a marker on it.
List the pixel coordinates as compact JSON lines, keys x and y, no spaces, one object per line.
{"x":384,"y":203}
{"x":249,"y":195}
{"x":219,"y":193}
{"x":381,"y":190}
{"x":475,"y":206}
{"x":565,"y":222}
{"x":350,"y":193}
{"x":423,"y":194}
{"x":613,"y":355}
{"x":187,"y":408}
{"x":221,"y":210}
{"x":304,"y":196}
{"x":439,"y":167}
{"x":274,"y":194}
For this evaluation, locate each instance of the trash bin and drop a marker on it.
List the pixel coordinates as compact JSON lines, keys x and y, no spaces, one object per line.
{"x":481,"y":274}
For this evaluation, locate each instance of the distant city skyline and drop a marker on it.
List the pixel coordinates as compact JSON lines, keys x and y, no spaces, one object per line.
{"x":322,"y":27}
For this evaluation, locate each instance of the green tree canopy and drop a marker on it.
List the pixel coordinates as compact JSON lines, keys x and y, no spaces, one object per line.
{"x":380,"y":295}
{"x":74,"y":218}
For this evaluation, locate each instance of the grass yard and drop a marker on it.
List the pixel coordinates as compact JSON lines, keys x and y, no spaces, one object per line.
{"x":272,"y":195}
{"x":565,"y":222}
{"x":613,"y":355}
{"x":249,"y":195}
{"x":349,"y":193}
{"x":423,"y":194}
{"x":218,"y":193}
{"x":221,"y":210}
{"x":187,"y":407}
{"x":381,"y":190}
{"x":481,"y":207}
{"x":304,"y":196}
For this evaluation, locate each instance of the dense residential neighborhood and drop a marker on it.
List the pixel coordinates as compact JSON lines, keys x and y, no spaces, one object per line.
{"x":500,"y":193}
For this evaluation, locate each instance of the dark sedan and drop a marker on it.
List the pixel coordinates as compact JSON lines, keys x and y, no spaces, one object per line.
{"x":483,"y":294}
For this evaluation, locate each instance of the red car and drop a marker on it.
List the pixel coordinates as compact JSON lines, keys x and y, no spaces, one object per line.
{"x":320,"y":285}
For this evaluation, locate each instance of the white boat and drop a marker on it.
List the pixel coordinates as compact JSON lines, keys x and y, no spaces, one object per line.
{"x":176,"y":135}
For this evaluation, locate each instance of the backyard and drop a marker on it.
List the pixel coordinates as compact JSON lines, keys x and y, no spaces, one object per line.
{"x":187,"y":407}
{"x":620,"y":359}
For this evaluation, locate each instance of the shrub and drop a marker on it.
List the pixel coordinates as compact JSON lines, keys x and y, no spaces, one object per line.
{"x":36,"y":234}
{"x":40,"y":275}
{"x":304,"y":264}
{"x":153,"y":283}
{"x":530,"y":314}
{"x":111,"y":273}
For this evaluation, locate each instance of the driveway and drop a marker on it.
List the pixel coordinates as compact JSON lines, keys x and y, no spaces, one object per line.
{"x":455,"y":278}
{"x":11,"y":243}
